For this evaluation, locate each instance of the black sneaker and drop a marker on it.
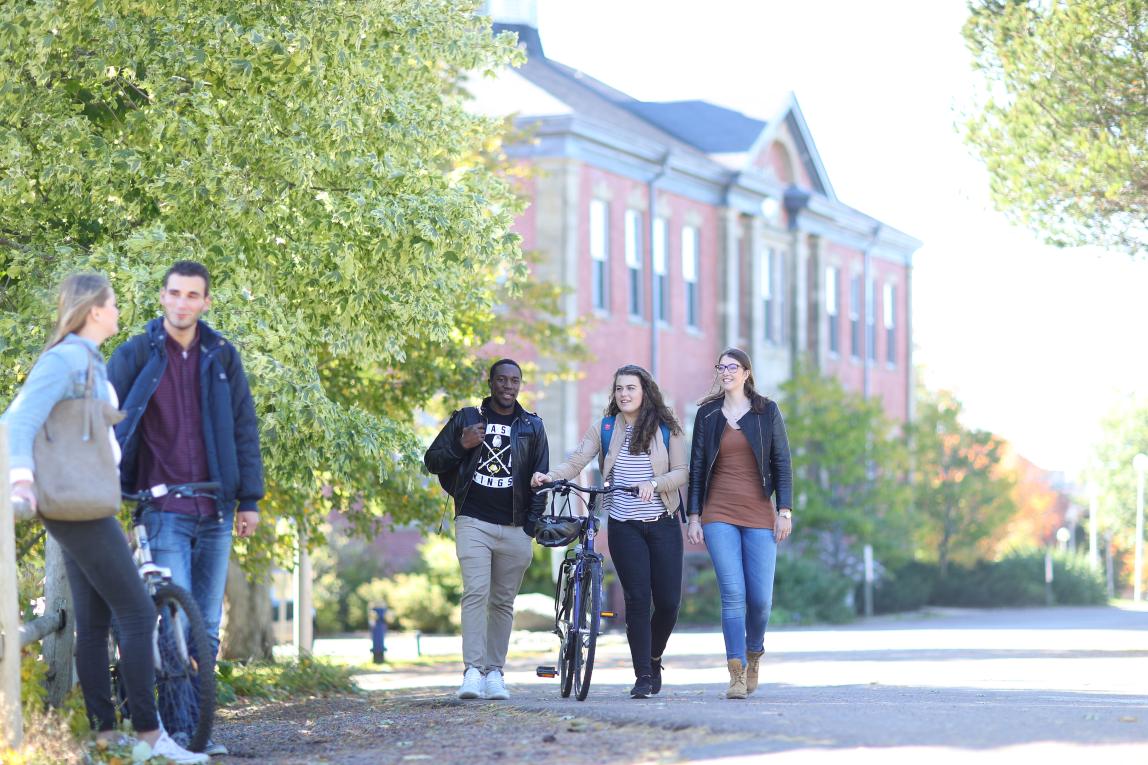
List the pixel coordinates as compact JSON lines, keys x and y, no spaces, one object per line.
{"x":656,"y":677}
{"x":642,"y":688}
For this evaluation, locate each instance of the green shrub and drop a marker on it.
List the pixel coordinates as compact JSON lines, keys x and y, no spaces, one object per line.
{"x":414,"y":602}
{"x":425,"y":599}
{"x":807,"y":592}
{"x":1018,"y":580}
{"x":1074,"y":583}
{"x":305,"y":676}
{"x":908,"y":588}
{"x":701,"y":601}
{"x":804,"y":592}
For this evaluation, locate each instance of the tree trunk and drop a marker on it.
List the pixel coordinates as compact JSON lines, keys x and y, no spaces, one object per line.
{"x":247,"y":632}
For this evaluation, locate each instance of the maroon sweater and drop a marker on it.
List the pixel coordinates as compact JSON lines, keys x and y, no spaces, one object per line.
{"x":172,"y":449}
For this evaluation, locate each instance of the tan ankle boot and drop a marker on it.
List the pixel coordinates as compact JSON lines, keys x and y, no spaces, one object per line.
{"x":736,"y":688}
{"x":751,"y":670}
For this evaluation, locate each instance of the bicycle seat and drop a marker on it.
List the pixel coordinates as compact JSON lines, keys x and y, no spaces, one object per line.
{"x":556,"y":531}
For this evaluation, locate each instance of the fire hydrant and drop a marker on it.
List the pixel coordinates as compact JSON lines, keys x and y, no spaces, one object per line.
{"x":379,"y":635}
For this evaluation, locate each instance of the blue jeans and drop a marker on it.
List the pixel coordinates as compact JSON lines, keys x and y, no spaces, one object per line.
{"x":744,"y":560}
{"x":197,"y":550}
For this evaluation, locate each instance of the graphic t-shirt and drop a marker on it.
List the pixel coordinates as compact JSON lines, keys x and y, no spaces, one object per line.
{"x":491,"y":497}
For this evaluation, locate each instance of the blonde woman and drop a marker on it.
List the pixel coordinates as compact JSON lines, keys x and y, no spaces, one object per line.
{"x":103,"y":578}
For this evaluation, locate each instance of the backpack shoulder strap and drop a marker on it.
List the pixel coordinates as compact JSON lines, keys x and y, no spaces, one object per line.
{"x":665,"y":435}
{"x":605,"y":433}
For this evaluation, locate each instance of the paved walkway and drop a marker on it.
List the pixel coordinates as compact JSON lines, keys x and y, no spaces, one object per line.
{"x":1053,"y":684}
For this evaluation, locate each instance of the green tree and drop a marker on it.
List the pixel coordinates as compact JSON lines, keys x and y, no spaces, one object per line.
{"x":318,"y":157}
{"x":849,"y":471}
{"x":1123,"y":435}
{"x":961,"y":497}
{"x":1062,"y":123}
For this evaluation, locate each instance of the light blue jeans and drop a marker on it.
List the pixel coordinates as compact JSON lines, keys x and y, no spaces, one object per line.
{"x":197,"y":550}
{"x":744,"y":560}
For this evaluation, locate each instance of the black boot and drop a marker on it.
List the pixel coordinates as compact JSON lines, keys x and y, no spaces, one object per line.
{"x":642,"y":688}
{"x":656,"y":676}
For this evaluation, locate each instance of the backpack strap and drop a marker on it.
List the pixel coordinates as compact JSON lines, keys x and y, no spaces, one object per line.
{"x":605,"y":433}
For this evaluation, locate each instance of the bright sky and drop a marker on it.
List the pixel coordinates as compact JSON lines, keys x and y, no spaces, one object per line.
{"x":1036,"y":342}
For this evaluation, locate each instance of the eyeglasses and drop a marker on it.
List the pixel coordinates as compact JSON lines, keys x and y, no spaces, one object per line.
{"x":731,"y":368}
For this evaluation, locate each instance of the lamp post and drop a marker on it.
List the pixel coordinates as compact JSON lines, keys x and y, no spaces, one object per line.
{"x":1139,"y":464}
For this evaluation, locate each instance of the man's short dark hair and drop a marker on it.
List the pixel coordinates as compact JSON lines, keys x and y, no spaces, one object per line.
{"x":190,"y":268}
{"x":500,"y":362}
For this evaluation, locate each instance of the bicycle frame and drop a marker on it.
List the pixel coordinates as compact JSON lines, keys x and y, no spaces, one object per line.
{"x":153,"y":575}
{"x":581,"y":566}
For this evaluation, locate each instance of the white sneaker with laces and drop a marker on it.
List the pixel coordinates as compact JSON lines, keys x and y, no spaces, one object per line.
{"x":496,"y":686}
{"x":472,"y":684}
{"x":165,"y":747}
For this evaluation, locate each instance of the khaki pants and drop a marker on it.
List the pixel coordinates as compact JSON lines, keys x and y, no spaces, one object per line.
{"x":493,"y":559}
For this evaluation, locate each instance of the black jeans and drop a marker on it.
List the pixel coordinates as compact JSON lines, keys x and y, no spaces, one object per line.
{"x":106,"y":585}
{"x":648,"y":559}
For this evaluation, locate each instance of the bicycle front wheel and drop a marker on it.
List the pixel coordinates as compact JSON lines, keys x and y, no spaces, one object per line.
{"x":564,"y":626}
{"x":184,"y":668}
{"x":588,"y":619}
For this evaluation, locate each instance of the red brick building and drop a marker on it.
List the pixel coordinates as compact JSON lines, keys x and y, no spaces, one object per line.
{"x":685,"y":227}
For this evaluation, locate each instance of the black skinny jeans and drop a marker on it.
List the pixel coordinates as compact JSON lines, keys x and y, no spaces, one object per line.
{"x":648,"y":559}
{"x":106,"y":585}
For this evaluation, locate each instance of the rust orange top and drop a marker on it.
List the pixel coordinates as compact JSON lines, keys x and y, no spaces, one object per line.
{"x":735,"y":494}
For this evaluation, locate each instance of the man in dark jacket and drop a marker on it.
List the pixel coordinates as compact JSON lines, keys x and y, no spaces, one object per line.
{"x":484,"y":457}
{"x":189,"y":418}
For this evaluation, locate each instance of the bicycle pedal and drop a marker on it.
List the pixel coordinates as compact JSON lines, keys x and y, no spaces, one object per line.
{"x":546,"y":672}
{"x":607,"y":614}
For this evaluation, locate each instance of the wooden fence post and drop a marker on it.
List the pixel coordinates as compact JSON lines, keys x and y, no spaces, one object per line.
{"x":58,"y":646}
{"x":12,"y":733}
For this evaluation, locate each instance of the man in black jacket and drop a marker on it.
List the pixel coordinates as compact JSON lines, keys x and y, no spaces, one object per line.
{"x":189,"y":418}
{"x":484,"y":457}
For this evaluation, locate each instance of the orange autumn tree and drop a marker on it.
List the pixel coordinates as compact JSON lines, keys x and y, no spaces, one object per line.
{"x":961,"y":496}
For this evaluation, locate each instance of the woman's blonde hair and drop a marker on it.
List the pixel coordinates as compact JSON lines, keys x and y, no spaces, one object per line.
{"x":79,"y":294}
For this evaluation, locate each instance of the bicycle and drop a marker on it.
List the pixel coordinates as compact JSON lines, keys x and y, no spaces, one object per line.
{"x":578,"y":592}
{"x":184,"y":659}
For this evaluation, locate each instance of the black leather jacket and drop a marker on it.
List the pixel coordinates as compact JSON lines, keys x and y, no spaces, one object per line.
{"x":766,"y":434}
{"x":455,"y":466}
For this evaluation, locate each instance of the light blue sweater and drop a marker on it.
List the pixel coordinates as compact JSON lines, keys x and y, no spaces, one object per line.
{"x":60,"y":373}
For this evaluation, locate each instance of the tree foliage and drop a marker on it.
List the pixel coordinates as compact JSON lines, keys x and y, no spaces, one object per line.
{"x":961,"y":496}
{"x":1124,"y":434}
{"x":317,"y":156}
{"x":849,"y":470}
{"x":1063,"y":121}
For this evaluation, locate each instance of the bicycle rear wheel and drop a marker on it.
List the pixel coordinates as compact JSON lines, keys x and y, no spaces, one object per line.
{"x":184,"y":668}
{"x":587,"y":622}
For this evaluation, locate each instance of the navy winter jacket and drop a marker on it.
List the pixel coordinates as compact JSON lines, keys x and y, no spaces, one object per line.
{"x":230,"y":430}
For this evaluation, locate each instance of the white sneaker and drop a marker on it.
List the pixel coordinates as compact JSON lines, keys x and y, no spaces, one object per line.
{"x":165,"y":747}
{"x":472,"y":682}
{"x":496,"y":686}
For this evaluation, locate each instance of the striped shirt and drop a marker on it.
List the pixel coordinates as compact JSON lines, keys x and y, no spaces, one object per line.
{"x":631,"y":470}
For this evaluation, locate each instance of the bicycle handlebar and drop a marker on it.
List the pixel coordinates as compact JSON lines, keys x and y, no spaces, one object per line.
{"x":565,"y":487}
{"x":200,"y":489}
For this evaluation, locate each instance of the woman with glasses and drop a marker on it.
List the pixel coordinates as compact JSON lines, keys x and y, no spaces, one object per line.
{"x":644,"y":447}
{"x":739,"y":463}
